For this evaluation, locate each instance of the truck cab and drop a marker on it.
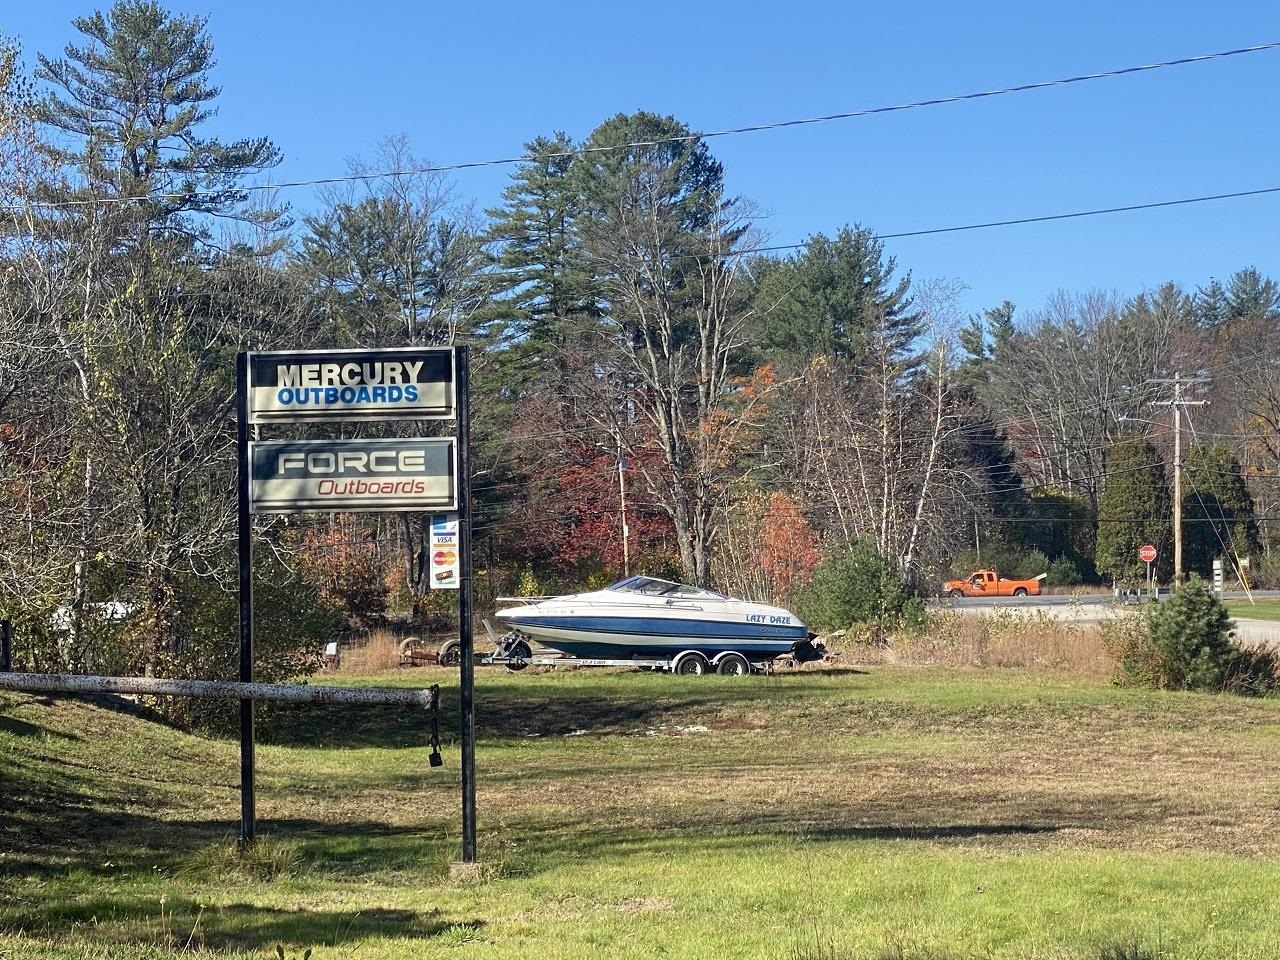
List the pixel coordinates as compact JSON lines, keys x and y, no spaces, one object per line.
{"x":988,"y":583}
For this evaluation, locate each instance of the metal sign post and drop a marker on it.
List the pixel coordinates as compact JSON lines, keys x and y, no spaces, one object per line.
{"x":1147,"y":554}
{"x":416,"y":474}
{"x":466,"y":671}
{"x":244,"y":539}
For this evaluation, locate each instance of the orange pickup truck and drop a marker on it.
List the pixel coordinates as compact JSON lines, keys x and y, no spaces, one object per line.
{"x":988,"y":583}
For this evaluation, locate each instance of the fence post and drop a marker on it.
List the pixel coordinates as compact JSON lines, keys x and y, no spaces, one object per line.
{"x":6,"y":646}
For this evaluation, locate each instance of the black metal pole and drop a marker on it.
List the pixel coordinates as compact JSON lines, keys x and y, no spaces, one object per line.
{"x":6,"y":646}
{"x":244,"y":537}
{"x":466,"y":722}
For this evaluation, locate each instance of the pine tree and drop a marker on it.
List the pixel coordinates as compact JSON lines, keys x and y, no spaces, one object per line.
{"x":662,"y":236}
{"x":1192,"y":634}
{"x":1210,"y":306}
{"x":1134,"y":510}
{"x":1251,"y":296}
{"x":1217,"y":510}
{"x":1166,"y":306}
{"x":832,"y":299}
{"x":543,"y":269}
{"x":132,"y":101}
{"x":982,"y":339}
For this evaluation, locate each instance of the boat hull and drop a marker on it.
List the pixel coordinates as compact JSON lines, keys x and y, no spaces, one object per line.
{"x":622,"y":637}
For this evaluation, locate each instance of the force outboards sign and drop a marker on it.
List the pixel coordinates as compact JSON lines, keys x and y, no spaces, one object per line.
{"x":410,"y":383}
{"x":392,"y":474}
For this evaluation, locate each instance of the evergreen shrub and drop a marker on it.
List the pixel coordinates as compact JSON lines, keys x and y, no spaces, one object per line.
{"x":857,"y":587}
{"x":1185,"y":643}
{"x":1063,"y":572}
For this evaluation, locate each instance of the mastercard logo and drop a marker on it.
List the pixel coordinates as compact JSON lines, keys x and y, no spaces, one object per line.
{"x":444,"y":558}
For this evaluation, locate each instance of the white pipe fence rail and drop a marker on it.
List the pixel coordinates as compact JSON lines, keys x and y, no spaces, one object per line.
{"x":427,"y":698}
{"x":421,"y":698}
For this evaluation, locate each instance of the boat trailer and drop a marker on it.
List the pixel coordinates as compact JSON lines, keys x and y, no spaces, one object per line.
{"x":513,"y":651}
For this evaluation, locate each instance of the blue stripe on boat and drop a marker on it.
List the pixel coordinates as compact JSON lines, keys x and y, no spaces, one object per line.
{"x":618,"y":651}
{"x":667,"y":627}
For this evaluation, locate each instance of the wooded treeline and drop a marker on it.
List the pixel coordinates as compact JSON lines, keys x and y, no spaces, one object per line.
{"x":758,"y":412}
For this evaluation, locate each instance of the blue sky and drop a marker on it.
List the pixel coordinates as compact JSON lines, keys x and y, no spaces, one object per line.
{"x":475,"y":81}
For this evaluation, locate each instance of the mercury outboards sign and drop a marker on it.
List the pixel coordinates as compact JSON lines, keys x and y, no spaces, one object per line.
{"x":415,"y":474}
{"x":411,"y":383}
{"x":388,"y":474}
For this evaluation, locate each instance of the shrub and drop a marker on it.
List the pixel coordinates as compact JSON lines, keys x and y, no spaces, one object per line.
{"x":1254,"y":672}
{"x":1062,"y":572}
{"x":1265,"y":572}
{"x":856,"y":586}
{"x":1185,"y":643}
{"x":291,"y":627}
{"x":529,"y":585}
{"x":1128,"y":641}
{"x":1030,"y":564}
{"x":1192,"y":633}
{"x":344,"y":566}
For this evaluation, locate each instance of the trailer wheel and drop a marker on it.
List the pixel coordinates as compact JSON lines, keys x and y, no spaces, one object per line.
{"x":450,"y":653}
{"x":1020,"y":592}
{"x":519,"y":653}
{"x":956,"y":594}
{"x":733,"y":665}
{"x":691,"y":664}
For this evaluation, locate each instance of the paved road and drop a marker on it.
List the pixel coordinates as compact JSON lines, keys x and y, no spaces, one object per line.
{"x":1258,"y":631}
{"x":1061,"y":600}
{"x":1094,"y":607}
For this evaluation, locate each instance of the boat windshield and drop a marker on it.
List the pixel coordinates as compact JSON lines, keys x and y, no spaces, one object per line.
{"x":653,"y":587}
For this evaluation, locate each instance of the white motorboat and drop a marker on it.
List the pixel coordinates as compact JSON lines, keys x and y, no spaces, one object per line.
{"x":644,"y":617}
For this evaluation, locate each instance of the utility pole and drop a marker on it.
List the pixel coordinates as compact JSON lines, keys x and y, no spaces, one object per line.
{"x":622,"y":496}
{"x":1178,"y":401}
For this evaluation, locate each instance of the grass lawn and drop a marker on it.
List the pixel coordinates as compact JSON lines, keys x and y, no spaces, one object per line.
{"x":1262,"y":610}
{"x":875,"y":813}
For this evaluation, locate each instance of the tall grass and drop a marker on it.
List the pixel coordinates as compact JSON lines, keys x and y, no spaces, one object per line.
{"x":263,"y":860}
{"x":376,"y":651}
{"x":1005,"y":639}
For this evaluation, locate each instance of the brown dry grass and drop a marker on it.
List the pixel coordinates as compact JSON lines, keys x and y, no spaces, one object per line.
{"x":378,"y":650}
{"x":1006,"y":639}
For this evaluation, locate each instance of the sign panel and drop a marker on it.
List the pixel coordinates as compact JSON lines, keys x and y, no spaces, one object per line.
{"x":446,"y":568}
{"x":1147,"y":553}
{"x":292,"y":476}
{"x":408,"y":383}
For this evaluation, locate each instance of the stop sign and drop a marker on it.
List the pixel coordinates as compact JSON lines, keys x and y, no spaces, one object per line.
{"x":1147,"y":553}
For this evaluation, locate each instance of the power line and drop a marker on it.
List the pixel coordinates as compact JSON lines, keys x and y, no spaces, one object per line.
{"x":1045,"y":218}
{"x":774,"y":248}
{"x":694,"y":136}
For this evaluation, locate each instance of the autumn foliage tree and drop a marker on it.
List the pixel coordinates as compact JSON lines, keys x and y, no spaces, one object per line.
{"x":346,"y":568}
{"x":789,"y":546}
{"x":768,"y":551}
